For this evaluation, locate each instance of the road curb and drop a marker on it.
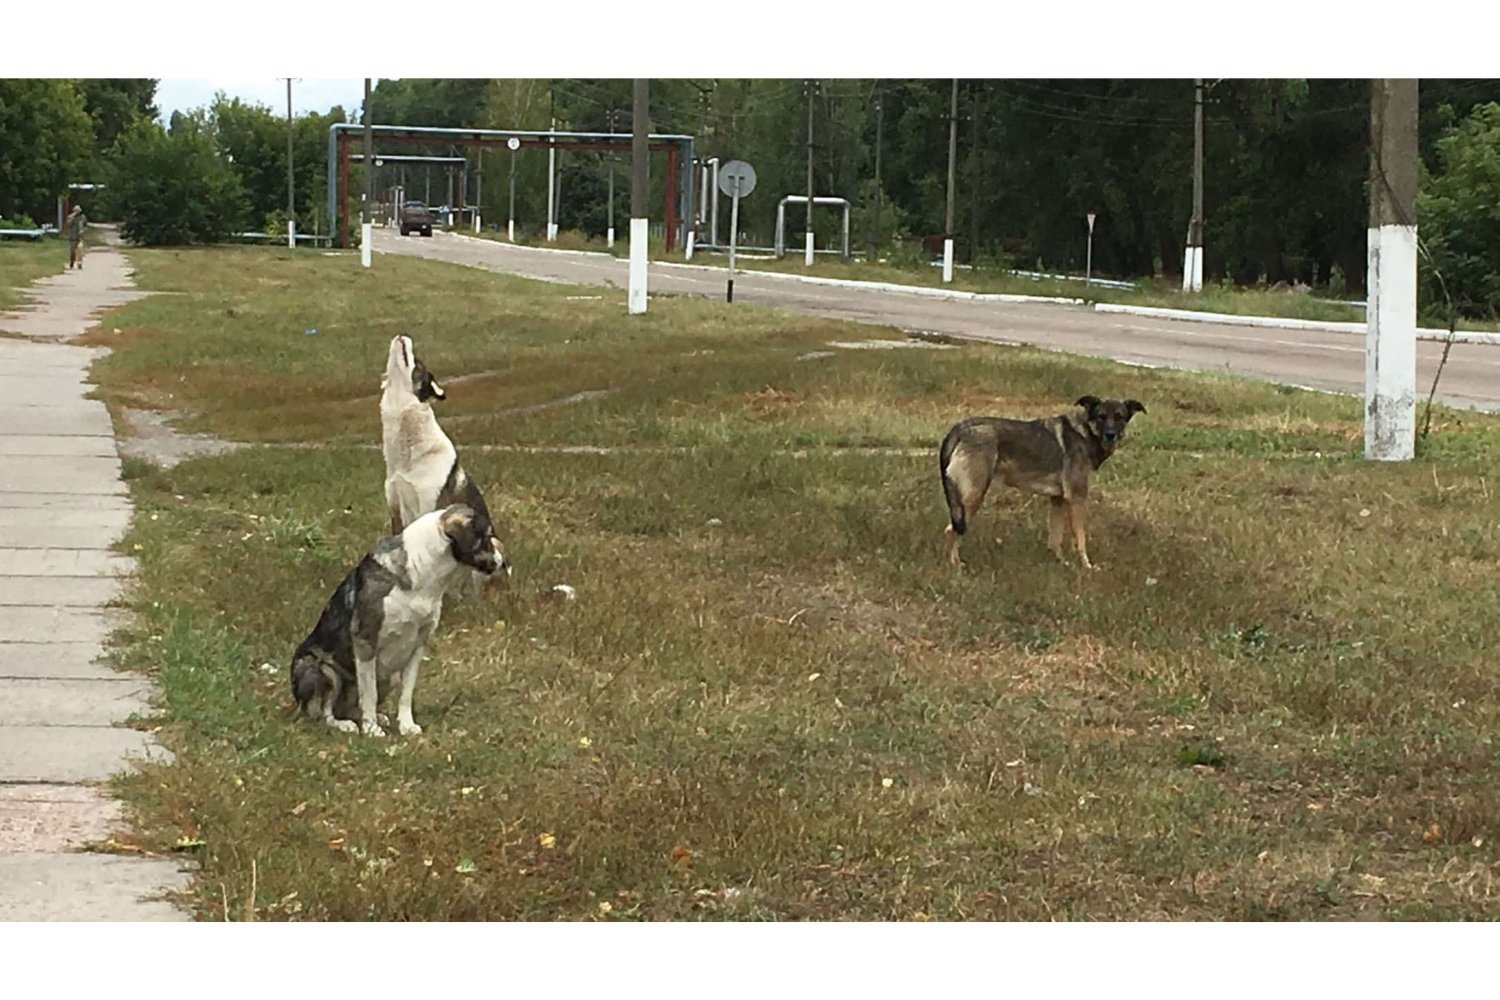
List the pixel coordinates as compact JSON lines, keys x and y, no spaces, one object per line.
{"x":874,"y":286}
{"x":1278,"y":322}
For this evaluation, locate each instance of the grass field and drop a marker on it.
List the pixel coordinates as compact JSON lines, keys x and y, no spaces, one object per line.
{"x":23,"y":261}
{"x":772,"y":699}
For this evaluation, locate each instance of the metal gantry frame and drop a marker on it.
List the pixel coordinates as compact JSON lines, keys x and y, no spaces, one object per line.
{"x":801,"y":199}
{"x":679,"y":150}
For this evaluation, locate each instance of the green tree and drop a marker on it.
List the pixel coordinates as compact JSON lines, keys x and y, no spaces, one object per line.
{"x":174,"y":187}
{"x":113,"y":105}
{"x":1458,"y":215}
{"x":45,"y":141}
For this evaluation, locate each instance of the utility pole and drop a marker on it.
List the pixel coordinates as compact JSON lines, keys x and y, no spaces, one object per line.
{"x":609,"y":230}
{"x":952,"y":177}
{"x":366,"y":229}
{"x":291,"y":177}
{"x":1391,"y":313}
{"x":551,"y":168}
{"x":640,"y":193}
{"x":478,"y":189}
{"x":975,"y":94}
{"x":809,"y":257}
{"x":514,"y":145}
{"x":1192,"y":266}
{"x":879,"y":191}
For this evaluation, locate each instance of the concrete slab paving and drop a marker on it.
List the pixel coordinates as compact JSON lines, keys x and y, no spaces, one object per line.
{"x":62,"y":505}
{"x":105,"y":514}
{"x":46,"y":702}
{"x":60,"y":660}
{"x":62,"y":754}
{"x":42,"y":474}
{"x":43,"y":625}
{"x":59,"y":591}
{"x":57,"y":445}
{"x":94,"y":420}
{"x":55,"y":817}
{"x":47,"y":886}
{"x":65,"y":501}
{"x":62,"y":562}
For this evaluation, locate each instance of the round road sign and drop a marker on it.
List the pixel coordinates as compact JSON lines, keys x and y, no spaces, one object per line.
{"x":513,"y":143}
{"x":737,"y":169}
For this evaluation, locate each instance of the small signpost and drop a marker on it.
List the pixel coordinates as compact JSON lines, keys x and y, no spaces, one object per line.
{"x":736,"y":179}
{"x":1088,"y":267}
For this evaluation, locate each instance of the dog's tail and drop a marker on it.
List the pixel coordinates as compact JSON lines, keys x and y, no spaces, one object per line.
{"x":950,"y":488}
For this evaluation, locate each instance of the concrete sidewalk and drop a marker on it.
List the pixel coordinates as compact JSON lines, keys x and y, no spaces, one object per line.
{"x":61,"y":713}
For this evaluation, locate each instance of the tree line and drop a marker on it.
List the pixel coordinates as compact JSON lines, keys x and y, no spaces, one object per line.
{"x":1285,"y":165}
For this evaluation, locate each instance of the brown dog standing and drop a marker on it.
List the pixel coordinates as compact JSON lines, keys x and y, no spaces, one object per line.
{"x":1054,"y":456}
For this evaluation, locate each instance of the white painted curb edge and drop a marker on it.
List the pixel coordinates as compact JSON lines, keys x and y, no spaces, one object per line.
{"x":1423,"y":333}
{"x":874,"y":286}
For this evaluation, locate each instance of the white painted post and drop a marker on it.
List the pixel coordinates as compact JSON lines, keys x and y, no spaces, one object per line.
{"x":366,"y":237}
{"x":1391,"y":344}
{"x":689,"y":252}
{"x":639,"y":234}
{"x":1391,"y":313}
{"x":734,"y":226}
{"x":609,"y":237}
{"x":551,"y":182}
{"x":948,"y":260}
{"x":291,"y":233}
{"x":809,"y":258}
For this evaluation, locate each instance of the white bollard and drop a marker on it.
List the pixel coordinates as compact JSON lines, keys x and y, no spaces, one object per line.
{"x":366,"y":237}
{"x":808,"y":260}
{"x":291,"y":234}
{"x":947,"y":261}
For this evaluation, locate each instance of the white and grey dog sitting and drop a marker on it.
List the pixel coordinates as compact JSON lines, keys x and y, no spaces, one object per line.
{"x":422,"y":471}
{"x":375,"y":627}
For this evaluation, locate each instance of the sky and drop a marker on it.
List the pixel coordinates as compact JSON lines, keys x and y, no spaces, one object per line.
{"x":182,"y":94}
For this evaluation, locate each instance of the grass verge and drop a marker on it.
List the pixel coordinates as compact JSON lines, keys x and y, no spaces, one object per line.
{"x":771,"y":699}
{"x":24,"y":261}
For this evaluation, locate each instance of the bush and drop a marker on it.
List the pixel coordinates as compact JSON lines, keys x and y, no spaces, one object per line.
{"x":172,"y":188}
{"x":1458,"y":216}
{"x":17,"y":222}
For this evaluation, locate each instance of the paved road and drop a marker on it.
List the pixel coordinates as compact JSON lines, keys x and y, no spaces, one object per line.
{"x":1315,"y":359}
{"x":62,"y":505}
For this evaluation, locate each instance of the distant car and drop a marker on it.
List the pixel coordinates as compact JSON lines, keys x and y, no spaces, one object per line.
{"x":415,"y":218}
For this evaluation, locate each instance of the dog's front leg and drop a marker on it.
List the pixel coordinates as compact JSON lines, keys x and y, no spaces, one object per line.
{"x":364,"y":672}
{"x":405,"y":724}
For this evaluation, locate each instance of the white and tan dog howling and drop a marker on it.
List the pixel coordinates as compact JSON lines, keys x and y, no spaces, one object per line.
{"x":422,"y":471}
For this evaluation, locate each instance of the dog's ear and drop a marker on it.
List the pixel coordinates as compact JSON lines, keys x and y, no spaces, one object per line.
{"x":1088,"y":403}
{"x":1132,"y":407}
{"x":435,"y":389}
{"x":456,"y":520}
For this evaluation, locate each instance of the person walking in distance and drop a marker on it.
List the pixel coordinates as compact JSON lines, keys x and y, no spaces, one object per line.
{"x":76,"y":223}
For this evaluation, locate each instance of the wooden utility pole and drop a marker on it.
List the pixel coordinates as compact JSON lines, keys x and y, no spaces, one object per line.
{"x":952,"y":176}
{"x":1192,"y":261}
{"x":291,"y":177}
{"x":879,"y":191}
{"x":609,"y":223}
{"x":1391,"y":311}
{"x":640,"y":193}
{"x":974,"y":171}
{"x":366,"y":228}
{"x":809,"y":254}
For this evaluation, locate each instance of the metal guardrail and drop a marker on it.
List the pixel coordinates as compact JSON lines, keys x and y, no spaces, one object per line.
{"x":30,"y":234}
